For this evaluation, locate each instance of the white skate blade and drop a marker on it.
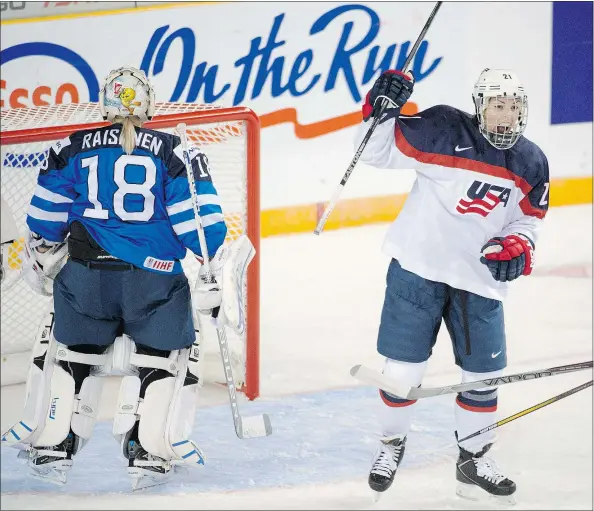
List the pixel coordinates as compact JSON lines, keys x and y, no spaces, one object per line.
{"x":54,"y":472}
{"x":477,"y":494}
{"x":142,"y":479}
{"x":51,"y":474}
{"x":376,"y":495}
{"x":144,"y":482}
{"x":254,"y":426}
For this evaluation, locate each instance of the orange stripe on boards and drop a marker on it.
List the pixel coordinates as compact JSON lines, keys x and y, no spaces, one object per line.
{"x":571,"y":191}
{"x":363,"y":211}
{"x":317,"y":129}
{"x":347,"y":213}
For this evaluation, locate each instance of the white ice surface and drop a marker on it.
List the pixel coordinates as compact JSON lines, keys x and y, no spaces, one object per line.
{"x":320,"y":308}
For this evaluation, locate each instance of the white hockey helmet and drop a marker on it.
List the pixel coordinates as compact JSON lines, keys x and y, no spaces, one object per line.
{"x":127,"y":92}
{"x":501,"y":107}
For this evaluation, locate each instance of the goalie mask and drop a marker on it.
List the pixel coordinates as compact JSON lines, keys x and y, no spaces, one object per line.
{"x":501,"y":107}
{"x":127,"y":92}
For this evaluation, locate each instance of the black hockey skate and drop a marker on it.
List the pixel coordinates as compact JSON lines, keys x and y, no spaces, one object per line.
{"x":479,"y":477}
{"x":51,"y":463}
{"x":144,"y":468}
{"x":386,"y":462}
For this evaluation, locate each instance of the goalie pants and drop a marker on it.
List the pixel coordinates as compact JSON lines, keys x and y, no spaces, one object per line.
{"x":413,"y":310}
{"x":94,"y":305}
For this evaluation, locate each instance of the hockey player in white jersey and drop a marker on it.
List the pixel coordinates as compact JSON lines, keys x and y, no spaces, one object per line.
{"x":117,"y":201}
{"x":468,"y":228}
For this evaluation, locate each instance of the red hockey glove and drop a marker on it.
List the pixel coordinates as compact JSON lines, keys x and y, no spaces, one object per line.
{"x":508,"y":258}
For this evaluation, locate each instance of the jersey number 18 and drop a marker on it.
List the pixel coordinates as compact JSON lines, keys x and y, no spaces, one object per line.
{"x":124,"y":188}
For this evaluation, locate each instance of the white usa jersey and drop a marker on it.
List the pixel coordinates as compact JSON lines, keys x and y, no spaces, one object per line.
{"x":466,"y":192}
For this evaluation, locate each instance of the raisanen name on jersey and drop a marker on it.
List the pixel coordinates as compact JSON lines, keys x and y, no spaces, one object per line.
{"x":111,"y":137}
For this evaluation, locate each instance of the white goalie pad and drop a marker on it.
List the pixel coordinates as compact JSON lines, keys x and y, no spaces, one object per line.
{"x":51,"y":406}
{"x":240,"y":253}
{"x":166,"y":413}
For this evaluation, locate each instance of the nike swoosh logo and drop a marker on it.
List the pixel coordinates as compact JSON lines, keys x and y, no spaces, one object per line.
{"x":458,"y":148}
{"x":494,"y":355}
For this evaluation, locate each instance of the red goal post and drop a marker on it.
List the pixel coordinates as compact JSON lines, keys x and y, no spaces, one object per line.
{"x":230,"y":137}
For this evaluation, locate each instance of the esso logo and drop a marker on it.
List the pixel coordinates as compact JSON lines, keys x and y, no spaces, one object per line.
{"x":42,"y":95}
{"x":21,"y":87}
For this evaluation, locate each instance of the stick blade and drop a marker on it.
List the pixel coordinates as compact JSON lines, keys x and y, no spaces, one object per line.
{"x":254,"y":426}
{"x":389,"y":385}
{"x":355,"y":370}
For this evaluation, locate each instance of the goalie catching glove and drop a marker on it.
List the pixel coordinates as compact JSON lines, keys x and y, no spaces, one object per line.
{"x":223,"y":286}
{"x":42,"y":261}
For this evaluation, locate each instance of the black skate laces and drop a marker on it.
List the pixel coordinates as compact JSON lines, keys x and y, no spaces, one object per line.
{"x":387,"y":461}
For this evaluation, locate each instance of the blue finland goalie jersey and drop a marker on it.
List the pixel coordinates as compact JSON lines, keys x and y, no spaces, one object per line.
{"x":137,"y":207}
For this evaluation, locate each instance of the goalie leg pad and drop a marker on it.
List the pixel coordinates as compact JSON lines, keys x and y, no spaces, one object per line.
{"x":163,"y":400}
{"x":60,"y":393}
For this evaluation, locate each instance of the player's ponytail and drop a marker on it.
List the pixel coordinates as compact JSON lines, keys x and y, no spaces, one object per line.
{"x":128,"y":134}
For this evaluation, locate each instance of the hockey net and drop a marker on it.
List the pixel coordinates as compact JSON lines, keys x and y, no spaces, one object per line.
{"x":229,"y":137}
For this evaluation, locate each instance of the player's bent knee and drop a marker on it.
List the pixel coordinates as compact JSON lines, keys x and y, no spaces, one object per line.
{"x":409,"y":372}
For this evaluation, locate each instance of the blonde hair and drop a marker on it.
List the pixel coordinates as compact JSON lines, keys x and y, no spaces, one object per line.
{"x":128,"y":134}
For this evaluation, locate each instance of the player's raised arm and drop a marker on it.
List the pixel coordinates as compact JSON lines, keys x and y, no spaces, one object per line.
{"x":404,"y":141}
{"x":395,"y":87}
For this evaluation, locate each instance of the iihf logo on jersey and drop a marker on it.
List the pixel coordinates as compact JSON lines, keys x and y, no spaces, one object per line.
{"x":484,"y":198}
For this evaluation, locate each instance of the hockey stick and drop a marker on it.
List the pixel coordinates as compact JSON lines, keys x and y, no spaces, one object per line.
{"x":245,"y":427}
{"x":384,"y":105}
{"x":528,"y":410}
{"x":405,"y":391}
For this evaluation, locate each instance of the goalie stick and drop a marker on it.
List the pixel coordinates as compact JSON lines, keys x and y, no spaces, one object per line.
{"x":245,"y":427}
{"x":405,"y":391}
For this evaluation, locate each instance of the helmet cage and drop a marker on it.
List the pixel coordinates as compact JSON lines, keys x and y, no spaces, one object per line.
{"x":500,"y":85}
{"x":501,"y":135}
